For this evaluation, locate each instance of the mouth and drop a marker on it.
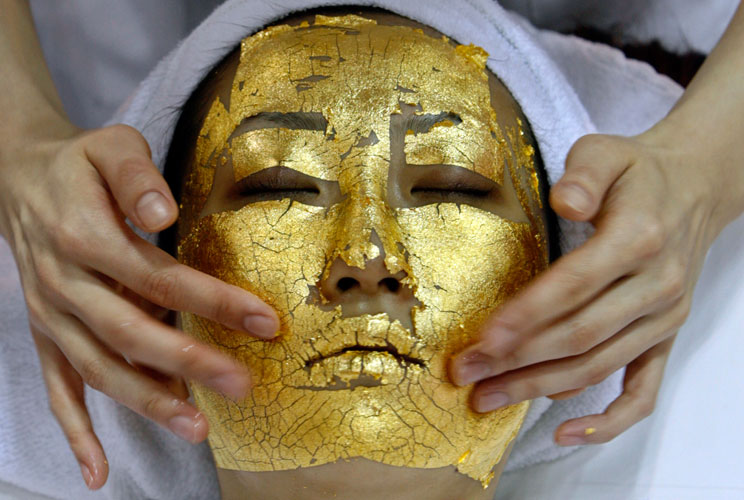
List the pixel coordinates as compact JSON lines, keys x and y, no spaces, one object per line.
{"x":404,"y":360}
{"x":362,"y":351}
{"x":358,"y":366}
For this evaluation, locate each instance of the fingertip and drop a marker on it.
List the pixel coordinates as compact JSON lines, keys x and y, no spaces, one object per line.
{"x":576,"y":432}
{"x":571,"y":201}
{"x":94,"y":471}
{"x":155,"y":211}
{"x":265,"y":326}
{"x":201,"y":428}
{"x":235,"y":385}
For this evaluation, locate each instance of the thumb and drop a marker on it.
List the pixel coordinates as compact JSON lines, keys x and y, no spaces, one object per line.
{"x":122,"y":157}
{"x":593,"y":165}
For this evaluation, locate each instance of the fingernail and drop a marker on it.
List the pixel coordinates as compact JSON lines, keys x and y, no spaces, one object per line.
{"x":87,"y":477}
{"x":153,"y":210}
{"x":492,"y":401}
{"x":472,"y":372}
{"x":234,"y":385}
{"x":185,"y":427}
{"x":576,"y":197}
{"x":571,"y":440}
{"x":262,"y":326}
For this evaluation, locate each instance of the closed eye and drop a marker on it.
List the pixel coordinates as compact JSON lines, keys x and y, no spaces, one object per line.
{"x":448,"y":183}
{"x":276,"y":183}
{"x":280,"y":182}
{"x":456,"y":191}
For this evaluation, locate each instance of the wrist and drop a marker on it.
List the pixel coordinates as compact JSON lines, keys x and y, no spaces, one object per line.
{"x":704,"y":158}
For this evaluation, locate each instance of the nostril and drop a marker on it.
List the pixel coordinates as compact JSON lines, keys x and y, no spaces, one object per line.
{"x":391,"y":284}
{"x":345,"y":284}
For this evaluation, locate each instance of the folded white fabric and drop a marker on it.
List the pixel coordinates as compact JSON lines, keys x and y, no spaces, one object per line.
{"x":566,"y":88}
{"x":680,"y":26}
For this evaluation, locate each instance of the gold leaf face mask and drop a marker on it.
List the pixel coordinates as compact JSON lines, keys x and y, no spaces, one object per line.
{"x":370,"y":114}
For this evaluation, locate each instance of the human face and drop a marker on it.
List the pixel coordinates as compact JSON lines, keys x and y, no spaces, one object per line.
{"x":361,"y":183}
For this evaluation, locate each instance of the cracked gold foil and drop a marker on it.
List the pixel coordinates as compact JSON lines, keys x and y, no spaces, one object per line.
{"x":334,"y":387}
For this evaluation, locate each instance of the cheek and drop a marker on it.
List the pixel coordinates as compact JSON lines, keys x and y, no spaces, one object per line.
{"x":276,"y":250}
{"x":466,"y":262}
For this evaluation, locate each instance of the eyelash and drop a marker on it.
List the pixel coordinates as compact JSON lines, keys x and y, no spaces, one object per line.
{"x":456,"y":190}
{"x":271,"y":186}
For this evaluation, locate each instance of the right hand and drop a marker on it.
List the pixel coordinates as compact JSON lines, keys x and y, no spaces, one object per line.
{"x":93,"y":288}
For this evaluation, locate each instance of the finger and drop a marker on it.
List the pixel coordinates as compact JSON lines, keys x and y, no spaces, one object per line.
{"x":566,"y":394}
{"x":174,"y":383}
{"x":640,"y":389}
{"x":594,"y":163}
{"x":155,"y":275}
{"x":110,"y":374}
{"x":141,"y":339}
{"x":67,"y":402}
{"x":566,"y":374}
{"x":122,"y":157}
{"x":577,"y":333}
{"x":570,"y":284}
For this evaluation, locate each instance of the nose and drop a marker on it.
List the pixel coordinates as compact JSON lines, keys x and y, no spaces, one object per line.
{"x":344,"y":282}
{"x":371,"y":290}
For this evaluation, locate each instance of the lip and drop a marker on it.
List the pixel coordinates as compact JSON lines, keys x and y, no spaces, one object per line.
{"x":367,"y":351}
{"x":359,"y":350}
{"x":360,"y":366}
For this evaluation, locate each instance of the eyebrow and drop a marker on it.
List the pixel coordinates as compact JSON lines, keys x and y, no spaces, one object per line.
{"x":301,"y":120}
{"x":313,"y":120}
{"x":421,"y":124}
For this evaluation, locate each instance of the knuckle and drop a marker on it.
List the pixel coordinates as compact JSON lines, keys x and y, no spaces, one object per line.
{"x":189,"y":361}
{"x":573,"y":280}
{"x":50,"y":281}
{"x":509,"y":359}
{"x":94,"y":373}
{"x":673,"y":282}
{"x":129,"y":134}
{"x":151,"y":406}
{"x":589,"y":147}
{"x":650,"y":237}
{"x":130,"y":172}
{"x":221,"y":307}
{"x":77,"y":439}
{"x":681,"y":311}
{"x":67,"y":239}
{"x":645,"y":407}
{"x":582,"y":338}
{"x":162,"y":287}
{"x":57,"y":405}
{"x":120,"y":335}
{"x":593,"y":375}
{"x":528,"y":389}
{"x":36,"y":308}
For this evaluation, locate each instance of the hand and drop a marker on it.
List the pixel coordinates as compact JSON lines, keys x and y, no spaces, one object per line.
{"x":94,"y":289}
{"x":617,"y":300}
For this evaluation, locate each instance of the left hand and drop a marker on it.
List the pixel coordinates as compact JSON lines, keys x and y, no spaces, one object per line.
{"x":616,"y":301}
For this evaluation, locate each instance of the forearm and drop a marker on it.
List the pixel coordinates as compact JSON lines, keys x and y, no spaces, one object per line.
{"x":29,"y":100}
{"x":707,"y":121}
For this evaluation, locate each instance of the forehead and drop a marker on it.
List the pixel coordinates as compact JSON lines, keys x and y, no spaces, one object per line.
{"x":354,"y":62}
{"x":359,"y":75}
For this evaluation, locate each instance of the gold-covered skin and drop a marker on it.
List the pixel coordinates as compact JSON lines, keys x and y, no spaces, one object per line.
{"x":333,"y":387}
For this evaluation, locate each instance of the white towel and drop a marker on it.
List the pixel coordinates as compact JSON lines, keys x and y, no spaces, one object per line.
{"x":566,"y":87}
{"x":680,"y":26}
